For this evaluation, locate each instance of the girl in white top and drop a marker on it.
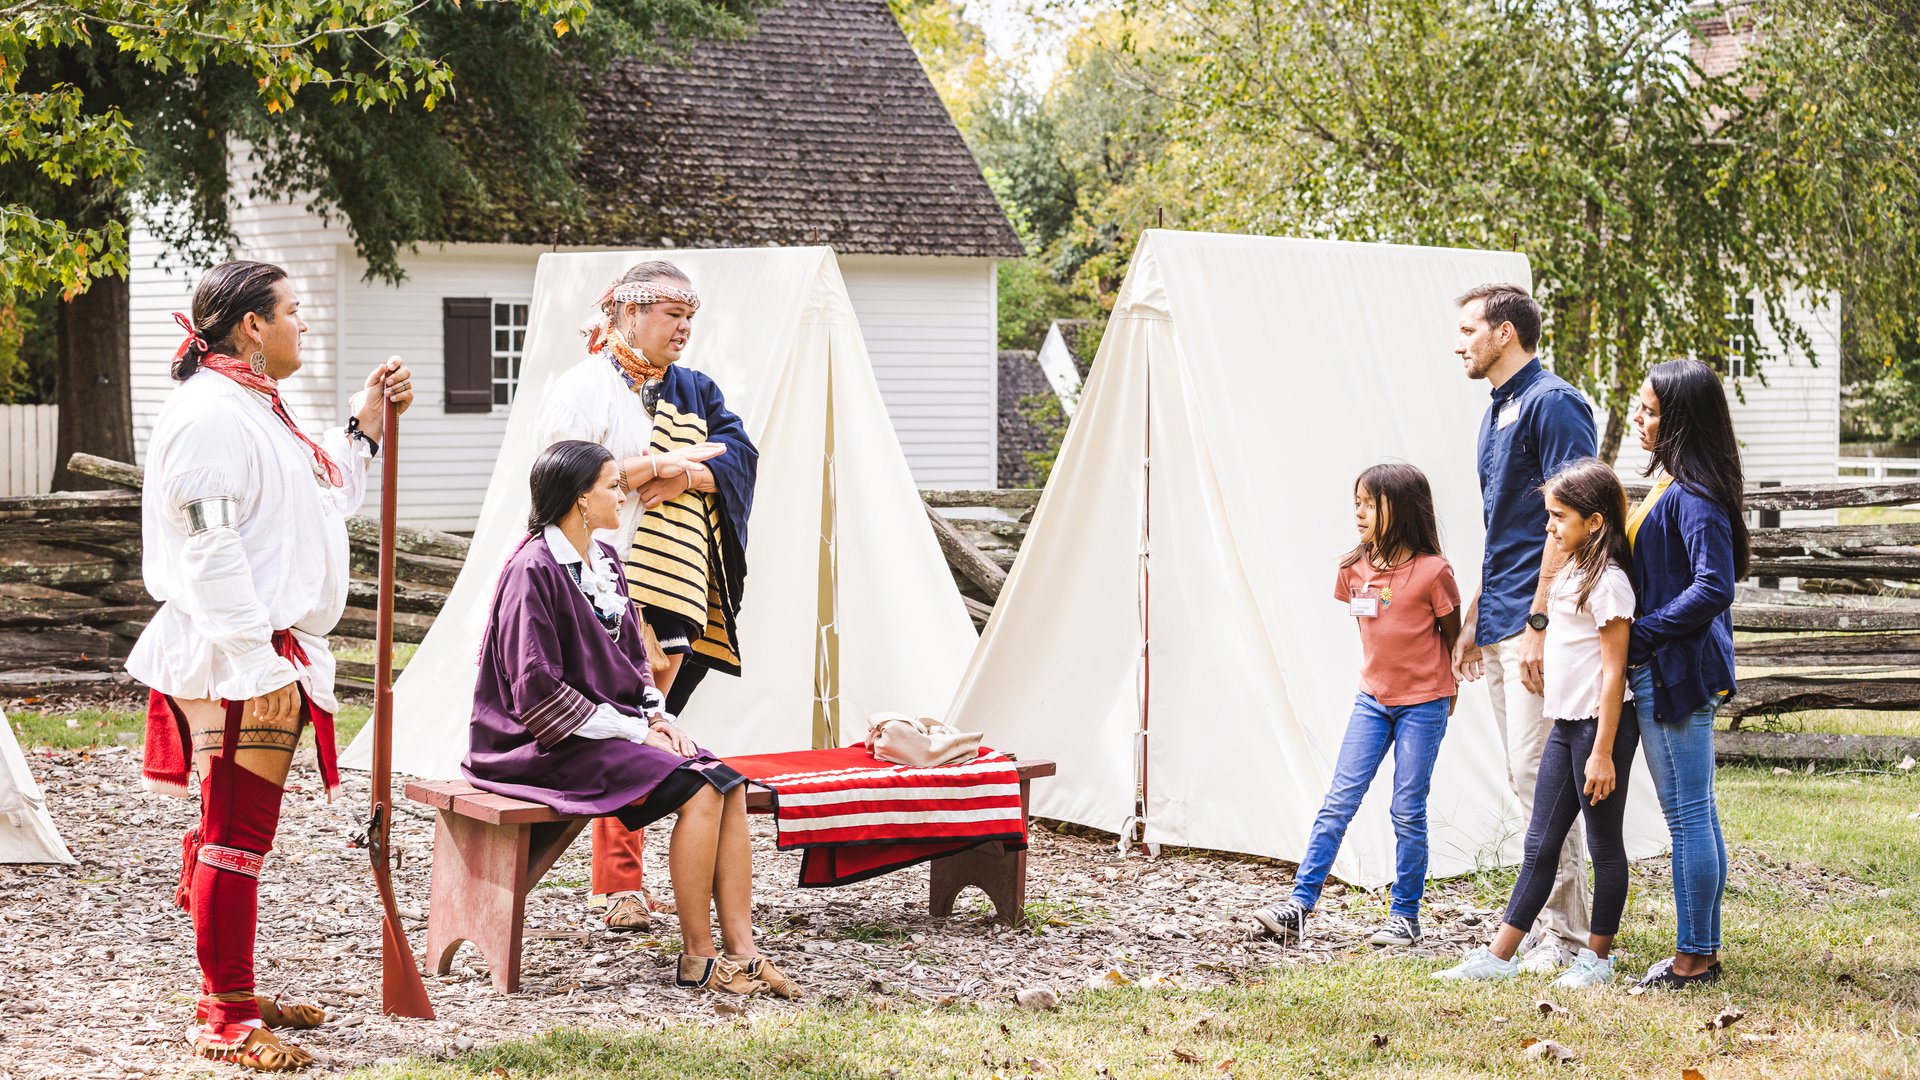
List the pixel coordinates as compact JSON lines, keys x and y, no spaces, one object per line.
{"x":1589,"y":752}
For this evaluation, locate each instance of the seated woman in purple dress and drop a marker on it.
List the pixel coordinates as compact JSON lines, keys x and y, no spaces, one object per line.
{"x":565,"y":713}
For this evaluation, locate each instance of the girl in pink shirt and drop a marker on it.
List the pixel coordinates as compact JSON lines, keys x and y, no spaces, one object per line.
{"x":1400,"y":592}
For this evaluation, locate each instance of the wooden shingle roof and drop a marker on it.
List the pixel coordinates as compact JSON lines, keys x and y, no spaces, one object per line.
{"x":1022,"y":387}
{"x":821,"y":127}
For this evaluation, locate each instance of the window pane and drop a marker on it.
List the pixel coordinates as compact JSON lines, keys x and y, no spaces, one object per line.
{"x":519,"y":314}
{"x":513,"y":368}
{"x":519,"y":340}
{"x":500,"y":313}
{"x":499,"y":367}
{"x":500,"y":394}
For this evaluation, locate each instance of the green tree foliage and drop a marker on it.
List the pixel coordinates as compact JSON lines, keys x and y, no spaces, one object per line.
{"x":1653,"y":196}
{"x":393,"y":115}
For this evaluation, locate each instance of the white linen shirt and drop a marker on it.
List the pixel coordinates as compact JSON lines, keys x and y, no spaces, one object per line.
{"x":1572,"y":659}
{"x":591,"y":401}
{"x":284,"y":566}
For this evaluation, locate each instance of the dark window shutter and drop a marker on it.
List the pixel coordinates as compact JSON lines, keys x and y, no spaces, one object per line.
{"x":468,"y":345}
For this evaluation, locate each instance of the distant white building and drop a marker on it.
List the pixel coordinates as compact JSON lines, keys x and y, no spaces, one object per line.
{"x":1788,"y":426}
{"x":819,"y":128}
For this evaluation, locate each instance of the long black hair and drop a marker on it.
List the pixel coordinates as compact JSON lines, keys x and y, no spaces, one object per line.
{"x":1588,"y":487}
{"x":561,"y":474}
{"x":1402,"y":496}
{"x":1695,"y":444}
{"x":222,"y":298}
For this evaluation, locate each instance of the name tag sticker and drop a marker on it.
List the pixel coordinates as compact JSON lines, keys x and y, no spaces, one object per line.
{"x":1508,"y":414}
{"x":1364,"y":607}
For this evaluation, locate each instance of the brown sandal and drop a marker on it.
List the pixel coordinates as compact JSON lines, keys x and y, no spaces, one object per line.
{"x":249,"y":1047}
{"x":759,"y":967}
{"x":628,"y":913}
{"x":716,"y":973}
{"x":294,"y":1017}
{"x":658,"y":907}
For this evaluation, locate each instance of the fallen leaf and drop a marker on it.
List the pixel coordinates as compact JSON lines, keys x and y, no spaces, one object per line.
{"x":1108,"y":979}
{"x":1201,"y":1023}
{"x":1037,"y":999}
{"x":1548,"y":1008}
{"x":1809,"y":768}
{"x":1692,"y":1074}
{"x":1379,"y":1040}
{"x":1778,"y":771}
{"x":1005,"y":1031}
{"x":1188,"y":1056}
{"x":724,"y":1007}
{"x":1728,"y":1017}
{"x":501,"y":1073}
{"x":1906,"y":764}
{"x":1225,"y":1064}
{"x":1544,"y":1049}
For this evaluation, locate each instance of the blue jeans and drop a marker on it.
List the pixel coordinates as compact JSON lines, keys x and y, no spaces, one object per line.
{"x":1414,"y":733}
{"x":1680,"y":759}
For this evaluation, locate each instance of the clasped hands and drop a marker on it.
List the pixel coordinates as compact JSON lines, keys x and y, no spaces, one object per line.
{"x":655,"y":478}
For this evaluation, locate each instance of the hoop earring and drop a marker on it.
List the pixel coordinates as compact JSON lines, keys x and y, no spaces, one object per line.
{"x":257,"y":362}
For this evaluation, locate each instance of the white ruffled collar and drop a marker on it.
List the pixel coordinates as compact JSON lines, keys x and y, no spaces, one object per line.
{"x":598,"y":579}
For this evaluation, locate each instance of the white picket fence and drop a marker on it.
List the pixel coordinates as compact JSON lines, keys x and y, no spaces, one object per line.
{"x":27,"y":448}
{"x":1878,"y":468}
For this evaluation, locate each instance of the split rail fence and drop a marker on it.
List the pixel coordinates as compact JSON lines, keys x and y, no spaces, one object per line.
{"x":1848,"y":638}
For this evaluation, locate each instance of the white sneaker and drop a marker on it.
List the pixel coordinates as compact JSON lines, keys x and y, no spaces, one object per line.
{"x":1547,"y":958}
{"x":1586,"y":970}
{"x":1480,"y":965}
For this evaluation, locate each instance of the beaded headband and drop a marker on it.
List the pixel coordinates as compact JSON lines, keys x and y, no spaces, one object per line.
{"x":648,"y":292}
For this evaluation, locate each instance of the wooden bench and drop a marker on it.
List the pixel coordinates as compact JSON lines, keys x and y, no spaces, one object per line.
{"x":489,"y":851}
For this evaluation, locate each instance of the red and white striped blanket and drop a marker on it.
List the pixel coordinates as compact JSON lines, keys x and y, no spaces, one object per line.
{"x":856,"y":817}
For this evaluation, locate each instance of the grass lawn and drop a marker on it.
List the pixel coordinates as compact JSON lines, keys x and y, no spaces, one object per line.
{"x":1822,"y":931}
{"x":73,"y":728}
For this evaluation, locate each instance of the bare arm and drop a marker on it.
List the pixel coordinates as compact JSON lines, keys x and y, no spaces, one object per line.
{"x":1467,"y":662}
{"x":1533,"y":643}
{"x":1613,"y":681}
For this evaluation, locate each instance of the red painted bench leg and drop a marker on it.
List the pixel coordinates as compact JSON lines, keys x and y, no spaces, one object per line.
{"x":1000,"y":873}
{"x":479,"y":895}
{"x":481,"y":877}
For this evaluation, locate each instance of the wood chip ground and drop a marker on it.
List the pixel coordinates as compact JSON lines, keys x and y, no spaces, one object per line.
{"x":97,"y":963}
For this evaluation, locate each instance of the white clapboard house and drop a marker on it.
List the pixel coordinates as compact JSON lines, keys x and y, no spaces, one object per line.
{"x":820,"y":128}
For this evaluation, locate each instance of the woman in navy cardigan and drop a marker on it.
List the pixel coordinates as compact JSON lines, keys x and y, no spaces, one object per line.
{"x":1689,"y":547}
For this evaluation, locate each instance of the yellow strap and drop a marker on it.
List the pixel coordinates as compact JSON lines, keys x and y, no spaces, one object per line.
{"x":1646,"y":507}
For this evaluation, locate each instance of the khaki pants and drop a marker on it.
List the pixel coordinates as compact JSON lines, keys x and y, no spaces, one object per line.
{"x":1523,"y":729}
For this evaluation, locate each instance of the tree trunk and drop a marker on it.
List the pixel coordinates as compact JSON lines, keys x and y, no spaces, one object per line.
{"x":1616,"y":430}
{"x":93,"y":380}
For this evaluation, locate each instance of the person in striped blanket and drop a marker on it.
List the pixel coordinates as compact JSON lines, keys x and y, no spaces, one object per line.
{"x":690,"y":467}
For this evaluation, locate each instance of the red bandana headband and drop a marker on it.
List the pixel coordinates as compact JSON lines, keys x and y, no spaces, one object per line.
{"x":241,"y":372}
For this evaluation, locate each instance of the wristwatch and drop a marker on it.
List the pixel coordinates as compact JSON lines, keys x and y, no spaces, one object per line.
{"x":1537,"y":620}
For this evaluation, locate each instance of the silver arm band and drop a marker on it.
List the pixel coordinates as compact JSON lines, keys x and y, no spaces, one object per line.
{"x":217,"y":513}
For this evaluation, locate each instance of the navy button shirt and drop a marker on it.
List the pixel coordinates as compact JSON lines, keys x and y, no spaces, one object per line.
{"x":1537,"y":423}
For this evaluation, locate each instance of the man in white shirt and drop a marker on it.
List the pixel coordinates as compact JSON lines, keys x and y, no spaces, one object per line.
{"x":245,"y":546}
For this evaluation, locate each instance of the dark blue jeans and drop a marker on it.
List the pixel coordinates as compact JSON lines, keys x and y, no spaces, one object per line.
{"x":1414,"y":733}
{"x":1559,"y":796}
{"x":1680,"y":759}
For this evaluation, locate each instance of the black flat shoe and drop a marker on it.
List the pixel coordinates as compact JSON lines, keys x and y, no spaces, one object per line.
{"x":1661,"y":976}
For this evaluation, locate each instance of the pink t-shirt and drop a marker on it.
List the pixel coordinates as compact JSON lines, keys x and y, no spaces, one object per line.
{"x":1403,"y":659}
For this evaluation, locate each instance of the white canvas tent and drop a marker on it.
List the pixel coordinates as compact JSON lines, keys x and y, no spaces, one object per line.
{"x":849,"y":608}
{"x":1258,"y":376}
{"x":27,"y":834}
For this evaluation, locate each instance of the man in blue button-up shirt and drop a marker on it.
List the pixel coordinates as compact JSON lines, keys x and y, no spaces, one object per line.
{"x":1536,"y":423}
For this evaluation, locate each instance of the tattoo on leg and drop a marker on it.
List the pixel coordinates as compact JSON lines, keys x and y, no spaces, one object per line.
{"x":251,"y":738}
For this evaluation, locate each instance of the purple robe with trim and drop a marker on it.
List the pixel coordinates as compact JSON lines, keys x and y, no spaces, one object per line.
{"x":546,"y":664}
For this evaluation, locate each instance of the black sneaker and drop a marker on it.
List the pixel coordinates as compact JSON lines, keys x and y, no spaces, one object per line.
{"x":1286,"y":920}
{"x":1661,"y":977}
{"x":1400,"y":930}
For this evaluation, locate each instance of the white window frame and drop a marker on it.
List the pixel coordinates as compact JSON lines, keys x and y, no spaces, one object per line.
{"x":511,"y":354}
